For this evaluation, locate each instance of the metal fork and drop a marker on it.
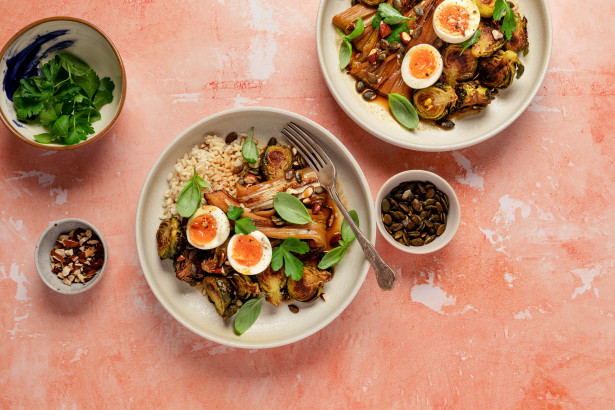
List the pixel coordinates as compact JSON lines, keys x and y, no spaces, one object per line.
{"x":322,"y":165}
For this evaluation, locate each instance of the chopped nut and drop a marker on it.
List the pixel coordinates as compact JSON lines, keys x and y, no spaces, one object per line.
{"x":497,"y":34}
{"x":385,"y":29}
{"x":373,"y":56}
{"x":405,"y":37}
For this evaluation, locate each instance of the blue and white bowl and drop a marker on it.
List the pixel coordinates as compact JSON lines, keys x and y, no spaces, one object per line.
{"x":39,"y":42}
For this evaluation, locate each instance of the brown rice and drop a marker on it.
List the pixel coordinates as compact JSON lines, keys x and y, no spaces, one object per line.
{"x":214,"y":161}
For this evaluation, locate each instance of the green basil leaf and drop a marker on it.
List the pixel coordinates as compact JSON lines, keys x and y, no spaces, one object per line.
{"x":390,"y":15}
{"x":293,"y":267}
{"x":347,"y":234}
{"x":189,"y":198}
{"x":291,"y":209}
{"x":345,"y":53}
{"x":249,"y":149}
{"x":471,"y":41}
{"x":244,"y":226}
{"x":247,"y":315}
{"x":277,"y":259}
{"x":332,"y":257}
{"x":403,"y":110}
{"x":234,"y":212}
{"x":293,"y":244}
{"x":358,"y":30}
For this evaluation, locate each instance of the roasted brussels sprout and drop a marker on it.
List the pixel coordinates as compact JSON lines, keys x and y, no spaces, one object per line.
{"x":309,"y":287}
{"x":276,"y":160}
{"x":458,"y":66}
{"x":273,"y":285}
{"x":499,"y":70}
{"x":170,"y":238}
{"x":220,"y":292}
{"x":214,"y":259}
{"x":472,"y":96}
{"x":245,"y":287}
{"x":372,"y":2}
{"x":485,"y":7}
{"x":487,"y":44}
{"x":518,"y":41}
{"x":188,"y":266}
{"x":435,"y":102}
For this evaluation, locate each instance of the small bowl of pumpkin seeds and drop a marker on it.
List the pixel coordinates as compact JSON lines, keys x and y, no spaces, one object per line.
{"x":417,"y":211}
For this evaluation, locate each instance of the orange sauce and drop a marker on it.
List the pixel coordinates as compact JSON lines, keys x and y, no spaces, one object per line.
{"x":454,"y":19}
{"x":423,"y":64}
{"x":247,"y":251}
{"x":203,"y":229}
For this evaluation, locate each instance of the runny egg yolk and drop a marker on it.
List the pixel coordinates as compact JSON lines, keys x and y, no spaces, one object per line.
{"x":247,"y":250}
{"x":423,"y":63}
{"x":454,"y":19}
{"x":203,"y":229}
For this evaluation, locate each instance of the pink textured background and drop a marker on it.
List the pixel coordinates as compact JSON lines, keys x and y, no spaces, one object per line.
{"x":517,"y":312}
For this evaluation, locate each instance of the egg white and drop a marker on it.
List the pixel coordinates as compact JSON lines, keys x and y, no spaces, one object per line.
{"x":418,"y":83}
{"x":223,"y":227}
{"x":473,"y":21}
{"x":262,"y":264}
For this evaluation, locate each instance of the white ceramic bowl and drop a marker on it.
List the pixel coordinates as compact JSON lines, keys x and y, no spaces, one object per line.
{"x":275,"y":326}
{"x":377,"y":120}
{"x":46,"y":243}
{"x":453,"y":216}
{"x":40,"y":41}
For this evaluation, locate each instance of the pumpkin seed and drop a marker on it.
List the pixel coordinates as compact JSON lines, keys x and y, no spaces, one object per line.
{"x":369,"y":95}
{"x":418,"y":10}
{"x":360,"y":86}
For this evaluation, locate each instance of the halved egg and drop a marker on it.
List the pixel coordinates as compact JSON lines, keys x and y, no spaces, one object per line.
{"x":249,"y":254}
{"x":421,"y":66}
{"x":208,"y":227}
{"x":455,"y":21}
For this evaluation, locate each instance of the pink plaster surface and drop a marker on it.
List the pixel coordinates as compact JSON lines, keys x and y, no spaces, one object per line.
{"x":517,"y":312}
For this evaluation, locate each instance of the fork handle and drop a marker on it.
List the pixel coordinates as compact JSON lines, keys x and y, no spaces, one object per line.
{"x":384,"y":274}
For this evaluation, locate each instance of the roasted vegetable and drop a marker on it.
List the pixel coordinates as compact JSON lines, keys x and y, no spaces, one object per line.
{"x":309,"y":287}
{"x":220,"y":292}
{"x":276,"y":160}
{"x":485,"y":7}
{"x":458,"y":66}
{"x":472,"y":96}
{"x":273,"y":285}
{"x":499,"y":70}
{"x":214,"y":259}
{"x":372,"y":2}
{"x":245,"y":287}
{"x":435,"y":102}
{"x":170,"y":238}
{"x":188,"y":266}
{"x":488,"y":44}
{"x":518,"y":41}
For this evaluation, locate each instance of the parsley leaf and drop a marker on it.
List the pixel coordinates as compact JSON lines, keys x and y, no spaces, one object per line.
{"x":396,"y":32}
{"x":282,"y":255}
{"x":471,"y":41}
{"x":234,"y":212}
{"x":245,"y":226}
{"x":502,"y":9}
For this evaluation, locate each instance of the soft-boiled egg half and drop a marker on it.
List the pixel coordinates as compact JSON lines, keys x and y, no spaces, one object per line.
{"x":421,"y":66}
{"x":249,"y":254}
{"x":455,"y":21}
{"x":208,"y":227}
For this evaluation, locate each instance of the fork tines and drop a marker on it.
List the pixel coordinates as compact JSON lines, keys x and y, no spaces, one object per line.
{"x":306,"y":145}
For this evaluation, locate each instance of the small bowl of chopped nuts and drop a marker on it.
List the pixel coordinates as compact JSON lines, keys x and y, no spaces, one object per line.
{"x":417,"y":211}
{"x":71,"y":256}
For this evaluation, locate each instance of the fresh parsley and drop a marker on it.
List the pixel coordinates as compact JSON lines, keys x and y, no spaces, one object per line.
{"x":396,"y":32}
{"x":65,"y":100}
{"x":346,"y":47}
{"x":282,"y":255}
{"x":243,"y":225}
{"x":502,"y":9}
{"x":471,"y":41}
{"x":335,"y":255}
{"x":249,"y":149}
{"x":189,"y":198}
{"x":291,"y":209}
{"x":247,"y":315}
{"x":403,"y":111}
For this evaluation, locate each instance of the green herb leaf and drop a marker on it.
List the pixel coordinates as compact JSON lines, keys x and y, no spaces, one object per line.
{"x":247,"y":315}
{"x":277,"y":259}
{"x":345,"y":53}
{"x":295,"y":245}
{"x":89,"y":82}
{"x":347,"y":234}
{"x":249,"y":149}
{"x":104,"y":94}
{"x":501,"y":9}
{"x":189,"y":198}
{"x":293,"y":267}
{"x":403,"y":110}
{"x":390,"y":15}
{"x":234,"y":212}
{"x":332,"y":257}
{"x":396,"y":32}
{"x":45,"y":138}
{"x":357,"y":31}
{"x":244,"y":226}
{"x":73,"y":64}
{"x":471,"y":41}
{"x":291,"y":209}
